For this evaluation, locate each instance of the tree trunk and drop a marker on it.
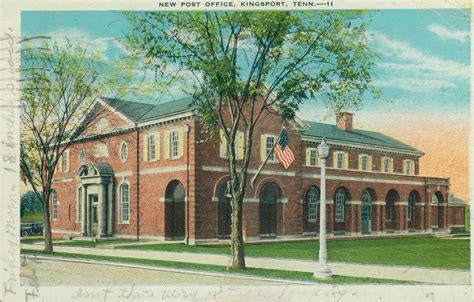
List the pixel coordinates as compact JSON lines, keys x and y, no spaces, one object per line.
{"x":48,"y":240}
{"x":237,"y":240}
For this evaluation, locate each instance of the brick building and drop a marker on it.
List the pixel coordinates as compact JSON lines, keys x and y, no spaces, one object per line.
{"x":147,"y":171}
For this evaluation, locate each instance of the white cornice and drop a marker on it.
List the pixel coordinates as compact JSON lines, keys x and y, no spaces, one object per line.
{"x":310,"y":139}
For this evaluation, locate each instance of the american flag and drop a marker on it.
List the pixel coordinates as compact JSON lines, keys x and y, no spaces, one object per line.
{"x":283,"y":151}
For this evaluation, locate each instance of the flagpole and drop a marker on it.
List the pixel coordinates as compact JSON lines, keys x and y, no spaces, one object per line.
{"x":252,"y":181}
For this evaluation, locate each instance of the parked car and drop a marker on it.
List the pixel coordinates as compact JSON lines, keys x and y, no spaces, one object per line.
{"x":31,"y":229}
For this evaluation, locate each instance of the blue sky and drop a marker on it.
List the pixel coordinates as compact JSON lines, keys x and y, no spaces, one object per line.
{"x":425,"y":59}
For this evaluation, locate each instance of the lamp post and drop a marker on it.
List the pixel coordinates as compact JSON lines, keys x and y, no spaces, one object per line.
{"x":323,"y":271}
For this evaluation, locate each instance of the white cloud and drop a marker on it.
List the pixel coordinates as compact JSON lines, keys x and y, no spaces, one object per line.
{"x":447,"y":34}
{"x":412,"y":69}
{"x":414,"y":84}
{"x":75,"y":36}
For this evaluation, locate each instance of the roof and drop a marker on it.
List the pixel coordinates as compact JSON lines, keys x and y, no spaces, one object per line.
{"x":357,"y":136}
{"x":141,"y":112}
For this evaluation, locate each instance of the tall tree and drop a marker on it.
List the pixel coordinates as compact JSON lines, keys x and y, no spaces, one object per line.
{"x":242,"y":64}
{"x":59,"y":86}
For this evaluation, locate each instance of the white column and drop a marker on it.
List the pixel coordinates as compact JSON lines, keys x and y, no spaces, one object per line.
{"x":102,"y":210}
{"x":88,"y":219}
{"x":323,"y":271}
{"x":110,"y":208}
{"x":84,"y":211}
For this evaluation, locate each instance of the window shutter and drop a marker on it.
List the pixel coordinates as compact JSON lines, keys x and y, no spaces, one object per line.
{"x":391,"y":165}
{"x":222,"y":144}
{"x":167,"y":144}
{"x":334,"y":159}
{"x":180,"y":142}
{"x":346,"y":160}
{"x":412,"y":167}
{"x":145,"y":148}
{"x":370,"y":163}
{"x":263,"y":145}
{"x":240,"y":145}
{"x":308,"y":156}
{"x":157,"y":146}
{"x":359,"y":161}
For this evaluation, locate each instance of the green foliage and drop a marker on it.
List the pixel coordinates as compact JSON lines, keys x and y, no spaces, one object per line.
{"x":236,"y":56}
{"x":30,"y":204}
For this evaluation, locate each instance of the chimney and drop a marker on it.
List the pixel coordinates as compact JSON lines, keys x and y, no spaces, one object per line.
{"x":344,"y":121}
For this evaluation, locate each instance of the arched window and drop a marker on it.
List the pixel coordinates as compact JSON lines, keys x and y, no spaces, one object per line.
{"x":124,"y":197}
{"x":312,"y":197}
{"x":411,"y":203}
{"x":340,"y":202}
{"x":366,"y":197}
{"x":54,"y":205}
{"x":435,"y":199}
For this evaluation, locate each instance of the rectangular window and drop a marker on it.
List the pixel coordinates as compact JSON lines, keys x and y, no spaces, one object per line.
{"x":124,"y":202}
{"x":409,"y":167}
{"x":313,"y":158}
{"x":174,"y":144}
{"x":269,"y":145}
{"x":54,"y":205}
{"x":65,"y":161}
{"x":364,"y":163}
{"x":151,"y":147}
{"x":340,"y":160}
{"x":386,"y":165}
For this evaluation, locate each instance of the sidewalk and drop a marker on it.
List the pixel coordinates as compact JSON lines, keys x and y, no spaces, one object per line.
{"x":425,"y":275}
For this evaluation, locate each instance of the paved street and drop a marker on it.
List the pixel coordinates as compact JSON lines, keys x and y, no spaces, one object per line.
{"x":53,"y":272}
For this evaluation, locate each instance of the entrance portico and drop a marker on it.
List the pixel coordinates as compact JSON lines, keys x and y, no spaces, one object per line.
{"x":96,"y":202}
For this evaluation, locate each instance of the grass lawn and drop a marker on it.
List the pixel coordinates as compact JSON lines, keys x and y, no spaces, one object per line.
{"x":281,"y":274}
{"x":37,"y":217}
{"x":418,"y":251}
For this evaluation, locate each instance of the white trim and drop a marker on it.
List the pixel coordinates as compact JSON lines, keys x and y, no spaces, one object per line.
{"x":363,"y":179}
{"x":353,"y":202}
{"x":420,"y":204}
{"x":400,"y":203}
{"x":456,"y":205}
{"x":379,"y":203}
{"x":123,"y":173}
{"x":359,"y":145}
{"x":163,"y":169}
{"x":282,"y":200}
{"x":250,"y":171}
{"x":456,"y":225}
{"x":251,"y":200}
{"x":215,"y":199}
{"x":164,"y":199}
{"x":63,"y":179}
{"x":187,"y":113}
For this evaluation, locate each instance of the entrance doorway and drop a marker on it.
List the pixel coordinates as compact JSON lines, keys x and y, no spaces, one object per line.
{"x":268,"y":211}
{"x":174,"y":211}
{"x":224,"y":212}
{"x":94,"y":200}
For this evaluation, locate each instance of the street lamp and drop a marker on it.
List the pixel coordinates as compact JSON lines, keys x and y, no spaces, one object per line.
{"x":323,"y":271}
